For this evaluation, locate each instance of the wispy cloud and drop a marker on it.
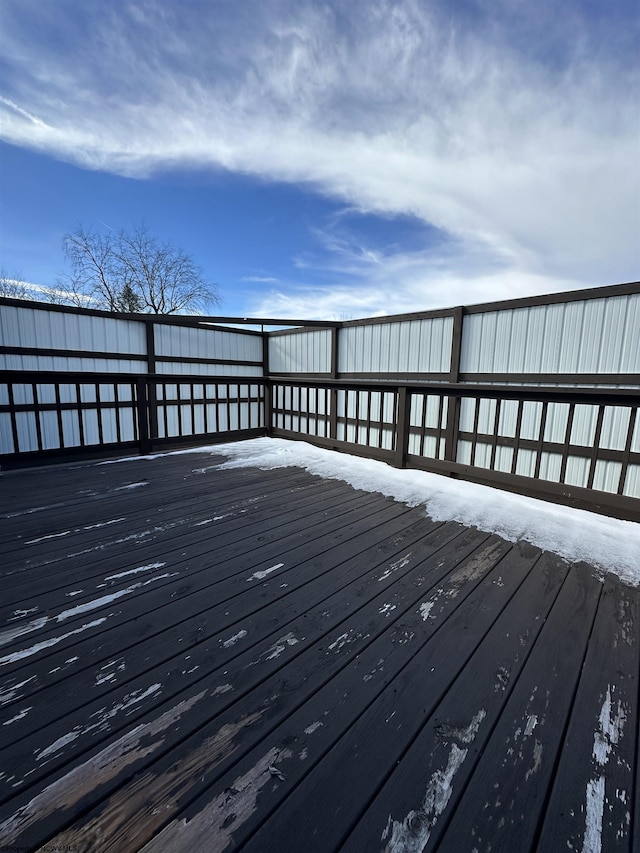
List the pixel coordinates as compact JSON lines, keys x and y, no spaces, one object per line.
{"x":515,"y":134}
{"x":359,"y":284}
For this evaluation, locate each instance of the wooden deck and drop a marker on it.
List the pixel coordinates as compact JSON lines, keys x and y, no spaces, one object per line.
{"x":201,"y":659}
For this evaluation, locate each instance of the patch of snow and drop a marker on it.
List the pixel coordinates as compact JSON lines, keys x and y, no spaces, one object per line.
{"x":313,"y":727}
{"x":131,"y":486}
{"x":607,"y":543}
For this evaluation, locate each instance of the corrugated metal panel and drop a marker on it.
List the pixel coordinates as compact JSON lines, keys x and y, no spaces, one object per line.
{"x":33,"y":327}
{"x":632,"y":482}
{"x":68,"y":363}
{"x":588,"y":336}
{"x":206,"y":343}
{"x":409,"y":346}
{"x":199,"y":369}
{"x":302,"y":352}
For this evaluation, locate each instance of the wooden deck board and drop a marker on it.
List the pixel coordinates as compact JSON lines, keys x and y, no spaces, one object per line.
{"x":318,"y":667}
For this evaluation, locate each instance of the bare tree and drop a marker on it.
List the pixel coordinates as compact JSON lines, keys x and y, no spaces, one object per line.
{"x":131,"y":271}
{"x":13,"y":287}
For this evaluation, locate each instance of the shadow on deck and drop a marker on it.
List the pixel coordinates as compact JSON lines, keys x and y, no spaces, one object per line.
{"x":195,"y":658}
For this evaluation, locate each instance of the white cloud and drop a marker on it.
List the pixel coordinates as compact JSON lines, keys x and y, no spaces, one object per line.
{"x":417,"y":290}
{"x":392,"y":107}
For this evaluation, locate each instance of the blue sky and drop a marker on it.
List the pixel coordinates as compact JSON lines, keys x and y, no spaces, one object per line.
{"x":329,"y":160}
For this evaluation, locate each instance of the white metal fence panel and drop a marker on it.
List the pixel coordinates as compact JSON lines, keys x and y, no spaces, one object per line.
{"x":307,"y":351}
{"x":36,"y":327}
{"x":405,"y":346}
{"x":81,"y":339}
{"x":62,"y":363}
{"x":196,"y":368}
{"x":185,"y":342}
{"x":583,"y":337}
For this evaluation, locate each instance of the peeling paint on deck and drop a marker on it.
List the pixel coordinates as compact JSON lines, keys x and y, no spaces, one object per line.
{"x":19,"y":716}
{"x":471,"y":570}
{"x":48,"y":536}
{"x":10,"y":691}
{"x":411,"y":834}
{"x":233,"y":640}
{"x":126,"y":812}
{"x":345,"y":639}
{"x":274,"y":651}
{"x":261,"y":575}
{"x":20,"y":630}
{"x":20,"y":614}
{"x":211,"y":829}
{"x":47,"y":644}
{"x":605,"y":739}
{"x":135,"y":571}
{"x":396,"y":566}
{"x":65,"y":792}
{"x":102,"y":717}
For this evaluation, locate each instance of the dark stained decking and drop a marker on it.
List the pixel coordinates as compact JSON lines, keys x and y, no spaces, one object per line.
{"x":202,"y":659}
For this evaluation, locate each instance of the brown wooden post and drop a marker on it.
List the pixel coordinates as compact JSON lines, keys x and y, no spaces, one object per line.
{"x":268,"y":401}
{"x":142,"y":409}
{"x":453,"y":406}
{"x":333,"y":396}
{"x":403,"y":421}
{"x":151,"y":369}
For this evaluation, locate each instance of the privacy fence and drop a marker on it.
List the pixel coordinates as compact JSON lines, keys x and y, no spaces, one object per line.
{"x":538,"y":396}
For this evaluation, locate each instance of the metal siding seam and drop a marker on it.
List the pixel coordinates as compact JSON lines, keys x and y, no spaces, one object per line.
{"x":610,"y":324}
{"x":631,"y":355}
{"x":592,"y":335}
{"x":514,"y":347}
{"x":469,"y":361}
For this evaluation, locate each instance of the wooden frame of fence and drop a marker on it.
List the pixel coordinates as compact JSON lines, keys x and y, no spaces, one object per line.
{"x":414,"y":425}
{"x":447,"y":421}
{"x":51,"y":416}
{"x":353,"y":418}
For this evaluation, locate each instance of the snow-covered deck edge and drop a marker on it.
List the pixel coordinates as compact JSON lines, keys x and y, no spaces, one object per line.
{"x":608,"y":544}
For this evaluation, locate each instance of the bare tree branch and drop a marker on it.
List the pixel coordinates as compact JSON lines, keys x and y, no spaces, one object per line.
{"x":13,"y":287}
{"x":132,"y":271}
